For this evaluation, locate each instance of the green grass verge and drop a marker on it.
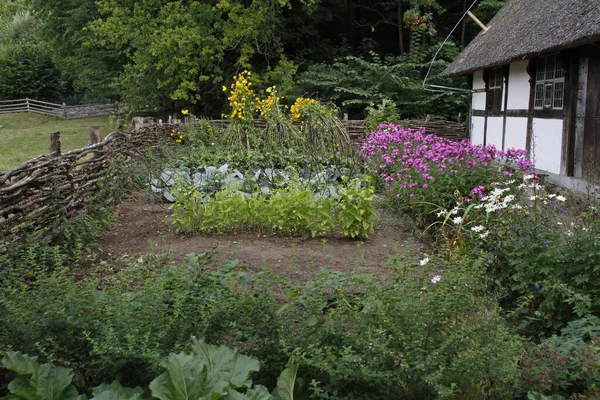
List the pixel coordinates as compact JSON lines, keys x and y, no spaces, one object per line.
{"x":24,"y":136}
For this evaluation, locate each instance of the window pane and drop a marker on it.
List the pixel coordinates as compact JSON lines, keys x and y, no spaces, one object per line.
{"x":541,"y":69}
{"x":559,"y":92}
{"x":548,"y":92}
{"x":539,"y":95}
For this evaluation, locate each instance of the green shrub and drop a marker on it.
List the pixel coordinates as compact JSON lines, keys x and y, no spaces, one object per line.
{"x":424,"y":333}
{"x":119,"y":325}
{"x":566,"y":365}
{"x":385,"y":112}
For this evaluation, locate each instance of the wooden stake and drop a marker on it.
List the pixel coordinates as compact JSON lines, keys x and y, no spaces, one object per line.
{"x":95,"y":134}
{"x":477,"y":21}
{"x":55,"y":142}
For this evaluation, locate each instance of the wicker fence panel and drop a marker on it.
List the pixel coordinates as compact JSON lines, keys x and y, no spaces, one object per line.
{"x":55,"y":186}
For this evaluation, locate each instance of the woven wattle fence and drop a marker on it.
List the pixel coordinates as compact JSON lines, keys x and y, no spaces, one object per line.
{"x":36,"y":194}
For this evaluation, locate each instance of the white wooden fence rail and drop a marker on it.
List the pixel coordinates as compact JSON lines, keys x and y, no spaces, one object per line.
{"x":30,"y":105}
{"x":53,"y":109}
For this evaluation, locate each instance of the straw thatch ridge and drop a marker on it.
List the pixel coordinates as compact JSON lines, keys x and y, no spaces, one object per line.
{"x":526,"y":28}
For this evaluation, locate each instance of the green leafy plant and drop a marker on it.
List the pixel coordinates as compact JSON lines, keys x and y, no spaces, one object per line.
{"x":207,"y":371}
{"x":385,"y":112}
{"x":355,"y":210}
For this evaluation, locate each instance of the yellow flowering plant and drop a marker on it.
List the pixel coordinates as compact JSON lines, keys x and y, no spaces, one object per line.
{"x":242,"y":97}
{"x":177,"y":135}
{"x":302,"y":107}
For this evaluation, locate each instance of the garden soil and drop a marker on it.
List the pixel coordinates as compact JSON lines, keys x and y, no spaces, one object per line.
{"x":146,"y":229}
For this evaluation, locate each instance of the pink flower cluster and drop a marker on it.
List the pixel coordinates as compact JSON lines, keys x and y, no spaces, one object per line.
{"x":411,"y":157}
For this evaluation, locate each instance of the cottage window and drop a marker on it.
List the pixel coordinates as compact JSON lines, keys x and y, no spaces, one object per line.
{"x":494,"y":92}
{"x":549,"y":83}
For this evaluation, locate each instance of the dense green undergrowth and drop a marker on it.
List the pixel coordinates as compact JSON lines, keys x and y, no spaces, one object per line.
{"x":502,"y":308}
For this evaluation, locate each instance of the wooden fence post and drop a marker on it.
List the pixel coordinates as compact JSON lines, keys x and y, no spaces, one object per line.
{"x":27,"y":103}
{"x":55,"y":142}
{"x":95,"y":137}
{"x":95,"y":134}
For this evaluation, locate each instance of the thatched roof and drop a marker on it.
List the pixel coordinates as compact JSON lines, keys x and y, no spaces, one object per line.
{"x":525,"y":28}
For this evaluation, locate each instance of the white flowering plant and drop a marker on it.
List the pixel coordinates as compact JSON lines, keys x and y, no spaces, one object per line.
{"x":547,"y":261}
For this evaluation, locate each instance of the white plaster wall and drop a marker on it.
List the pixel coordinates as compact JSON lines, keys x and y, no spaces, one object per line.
{"x":477,"y":124}
{"x":478,"y":101}
{"x":516,"y":133}
{"x":518,"y":86}
{"x":547,"y":144}
{"x":494,"y":131}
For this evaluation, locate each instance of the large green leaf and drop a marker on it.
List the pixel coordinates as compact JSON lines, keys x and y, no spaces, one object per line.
{"x":225,"y":364}
{"x":39,"y":382}
{"x":286,"y":382}
{"x":115,"y":391}
{"x":258,"y":393}
{"x":210,"y":372}
{"x":20,"y":363}
{"x":185,"y":378}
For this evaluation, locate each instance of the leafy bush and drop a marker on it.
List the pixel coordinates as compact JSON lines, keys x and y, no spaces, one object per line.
{"x":566,"y":365}
{"x":385,"y":112}
{"x":424,"y":333}
{"x":110,"y":326}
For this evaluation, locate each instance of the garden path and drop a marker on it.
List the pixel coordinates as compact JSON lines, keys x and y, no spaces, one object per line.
{"x":146,"y":228}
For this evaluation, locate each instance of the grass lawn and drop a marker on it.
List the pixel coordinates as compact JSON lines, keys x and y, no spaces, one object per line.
{"x":27,"y":135}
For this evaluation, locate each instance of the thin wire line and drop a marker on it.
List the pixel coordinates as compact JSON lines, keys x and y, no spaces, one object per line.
{"x":440,"y":49}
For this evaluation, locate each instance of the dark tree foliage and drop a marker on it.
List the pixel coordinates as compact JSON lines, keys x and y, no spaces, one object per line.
{"x":164,"y":54}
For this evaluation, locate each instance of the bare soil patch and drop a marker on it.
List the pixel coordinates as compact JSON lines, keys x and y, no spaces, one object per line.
{"x":147,"y":228}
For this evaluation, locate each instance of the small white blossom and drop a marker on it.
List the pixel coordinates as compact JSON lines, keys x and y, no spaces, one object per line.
{"x":442,"y":212}
{"x":478,"y":228}
{"x":509,"y":198}
{"x":510,"y":182}
{"x":457,"y":220}
{"x":559,"y":223}
{"x":561,"y":198}
{"x":484,"y":234}
{"x":528,"y":177}
{"x":516,"y":207}
{"x":569,"y":233}
{"x":533,"y":198}
{"x":454,"y":211}
{"x":585,"y":229}
{"x":551,"y":196}
{"x":424,"y":261}
{"x":436,"y":279}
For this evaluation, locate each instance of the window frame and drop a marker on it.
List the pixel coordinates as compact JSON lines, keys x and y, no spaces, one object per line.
{"x":494,"y":90}
{"x":549,"y":86}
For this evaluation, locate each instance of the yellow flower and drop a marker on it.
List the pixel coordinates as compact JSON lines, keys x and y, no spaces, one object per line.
{"x":224,"y":88}
{"x":178,"y":141}
{"x":185,"y":111}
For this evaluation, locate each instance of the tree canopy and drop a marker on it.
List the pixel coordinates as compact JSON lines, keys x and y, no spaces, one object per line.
{"x":157,"y":55}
